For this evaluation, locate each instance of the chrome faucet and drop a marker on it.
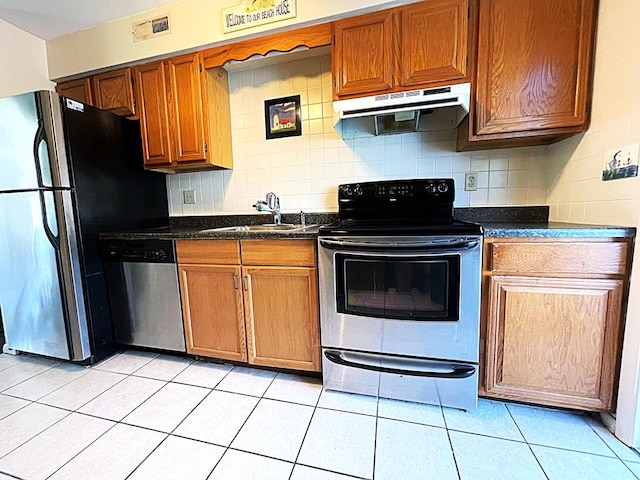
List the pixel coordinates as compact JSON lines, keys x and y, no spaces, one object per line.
{"x":270,"y":204}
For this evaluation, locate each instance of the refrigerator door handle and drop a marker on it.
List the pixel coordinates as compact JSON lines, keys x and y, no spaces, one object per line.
{"x":54,"y":238}
{"x":38,"y":138}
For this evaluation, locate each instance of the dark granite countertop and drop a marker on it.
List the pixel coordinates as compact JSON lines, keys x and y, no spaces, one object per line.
{"x":198,"y":233}
{"x":498,"y":222}
{"x":553,"y":230}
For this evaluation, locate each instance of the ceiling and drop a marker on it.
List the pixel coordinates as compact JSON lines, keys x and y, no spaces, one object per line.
{"x":48,"y":19}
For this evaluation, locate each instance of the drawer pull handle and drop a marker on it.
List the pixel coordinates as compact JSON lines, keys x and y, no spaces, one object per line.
{"x":235,"y":281}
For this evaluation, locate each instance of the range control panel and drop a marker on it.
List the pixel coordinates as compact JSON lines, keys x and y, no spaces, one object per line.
{"x":440,"y":190}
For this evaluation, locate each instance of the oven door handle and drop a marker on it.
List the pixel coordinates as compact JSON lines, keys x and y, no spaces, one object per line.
{"x":421,"y":368}
{"x":458,"y":244}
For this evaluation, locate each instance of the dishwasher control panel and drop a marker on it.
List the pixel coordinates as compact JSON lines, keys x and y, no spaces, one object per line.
{"x":144,"y":251}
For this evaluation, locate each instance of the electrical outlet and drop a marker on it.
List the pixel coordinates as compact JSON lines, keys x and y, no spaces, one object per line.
{"x":189,"y":197}
{"x":470,"y":181}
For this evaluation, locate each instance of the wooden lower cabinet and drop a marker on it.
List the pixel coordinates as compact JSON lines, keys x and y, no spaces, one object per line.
{"x":263,"y":314}
{"x":281,"y":311}
{"x":553,"y":321}
{"x":554,"y":341}
{"x":212,"y":310}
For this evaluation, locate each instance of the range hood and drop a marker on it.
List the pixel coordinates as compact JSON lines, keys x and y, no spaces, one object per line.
{"x":401,"y":112}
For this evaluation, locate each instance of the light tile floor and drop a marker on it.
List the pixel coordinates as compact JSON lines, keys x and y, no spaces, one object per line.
{"x":142,"y":416}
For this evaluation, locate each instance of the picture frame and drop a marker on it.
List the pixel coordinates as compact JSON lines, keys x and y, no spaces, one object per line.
{"x":282,"y":117}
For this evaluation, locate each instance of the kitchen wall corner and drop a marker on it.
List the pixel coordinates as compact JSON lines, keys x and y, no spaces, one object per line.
{"x":577,"y":193}
{"x":24,"y":60}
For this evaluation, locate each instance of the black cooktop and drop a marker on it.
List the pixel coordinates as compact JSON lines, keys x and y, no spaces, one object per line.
{"x":399,"y":207}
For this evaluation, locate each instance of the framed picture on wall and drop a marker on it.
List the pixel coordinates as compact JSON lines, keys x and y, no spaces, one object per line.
{"x":282,"y":117}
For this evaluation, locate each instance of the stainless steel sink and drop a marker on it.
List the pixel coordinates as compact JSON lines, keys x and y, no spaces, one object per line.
{"x":265,"y":227}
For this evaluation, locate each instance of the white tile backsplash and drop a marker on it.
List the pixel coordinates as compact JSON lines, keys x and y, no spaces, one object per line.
{"x":305,"y":171}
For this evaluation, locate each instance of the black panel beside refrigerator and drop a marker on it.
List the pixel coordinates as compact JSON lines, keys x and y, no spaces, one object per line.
{"x":74,"y":171}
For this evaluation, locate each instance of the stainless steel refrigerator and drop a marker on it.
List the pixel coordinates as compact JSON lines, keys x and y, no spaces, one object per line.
{"x":68,"y":171}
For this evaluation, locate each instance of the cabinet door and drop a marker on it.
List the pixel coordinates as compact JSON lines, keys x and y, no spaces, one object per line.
{"x":113,"y":91}
{"x":362,"y":54}
{"x":534,"y":65}
{"x":281,"y":312}
{"x":152,"y":109}
{"x":212,"y":311}
{"x":186,"y":117}
{"x":553,"y":341}
{"x":433,"y":42}
{"x":79,"y":90}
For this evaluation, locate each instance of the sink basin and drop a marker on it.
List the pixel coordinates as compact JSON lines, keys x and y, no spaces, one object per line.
{"x":265,"y":227}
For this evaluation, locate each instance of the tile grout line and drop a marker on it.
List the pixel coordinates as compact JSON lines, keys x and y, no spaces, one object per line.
{"x":526,"y":441}
{"x":83,"y":449}
{"x":453,"y":452}
{"x":315,"y":408}
{"x":228,"y":447}
{"x":607,"y":444}
{"x":28,"y":378}
{"x":148,"y":455}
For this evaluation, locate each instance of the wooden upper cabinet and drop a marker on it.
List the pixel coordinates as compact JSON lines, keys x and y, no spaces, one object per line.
{"x":151,"y":86}
{"x":534,"y":67}
{"x":113,"y":91}
{"x":175,"y":97}
{"x":186,"y":112}
{"x":422,"y":45}
{"x":433,"y":42}
{"x":362,"y":54}
{"x":79,"y":90}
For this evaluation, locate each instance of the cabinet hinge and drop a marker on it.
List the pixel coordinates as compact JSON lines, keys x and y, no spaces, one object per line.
{"x":206,"y":148}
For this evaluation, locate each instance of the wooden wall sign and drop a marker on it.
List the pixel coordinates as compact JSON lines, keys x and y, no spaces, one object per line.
{"x":251,"y":13}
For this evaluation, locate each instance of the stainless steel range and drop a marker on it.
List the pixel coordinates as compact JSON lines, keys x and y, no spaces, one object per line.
{"x":400,"y":294}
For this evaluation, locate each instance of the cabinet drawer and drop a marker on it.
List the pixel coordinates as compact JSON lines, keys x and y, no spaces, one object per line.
{"x":221,"y":252}
{"x":292,"y":253}
{"x":559,"y":258}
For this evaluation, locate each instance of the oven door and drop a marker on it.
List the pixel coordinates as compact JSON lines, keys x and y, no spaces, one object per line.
{"x":414,"y":296}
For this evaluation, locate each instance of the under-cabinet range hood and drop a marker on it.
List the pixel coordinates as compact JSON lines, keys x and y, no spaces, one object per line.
{"x":402,"y":112}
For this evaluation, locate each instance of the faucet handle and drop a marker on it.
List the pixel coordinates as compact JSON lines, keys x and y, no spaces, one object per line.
{"x":272,"y":200}
{"x":260,"y":205}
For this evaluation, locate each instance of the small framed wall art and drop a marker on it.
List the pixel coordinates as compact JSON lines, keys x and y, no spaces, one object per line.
{"x":282,"y":117}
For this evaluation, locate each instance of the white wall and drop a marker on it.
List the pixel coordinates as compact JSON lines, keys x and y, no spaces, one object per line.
{"x":194,"y":24}
{"x":577,"y":193}
{"x":24,"y":62}
{"x":305,"y":171}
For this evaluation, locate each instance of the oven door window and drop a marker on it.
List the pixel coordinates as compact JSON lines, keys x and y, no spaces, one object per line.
{"x":407,"y":288}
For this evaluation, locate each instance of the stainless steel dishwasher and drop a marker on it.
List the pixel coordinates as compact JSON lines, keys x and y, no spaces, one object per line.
{"x":144,"y":293}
